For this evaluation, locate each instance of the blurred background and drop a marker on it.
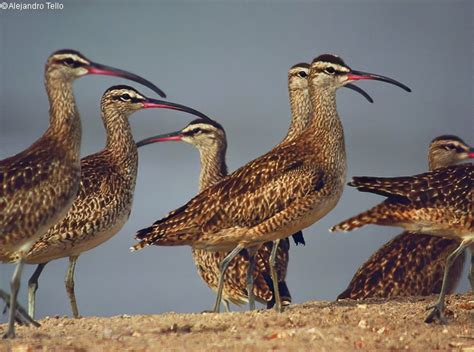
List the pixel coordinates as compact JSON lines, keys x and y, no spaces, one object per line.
{"x":229,"y":59}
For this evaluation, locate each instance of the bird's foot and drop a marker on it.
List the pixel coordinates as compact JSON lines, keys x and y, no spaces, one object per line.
{"x":10,"y":334}
{"x":437,"y":313}
{"x":21,"y":316}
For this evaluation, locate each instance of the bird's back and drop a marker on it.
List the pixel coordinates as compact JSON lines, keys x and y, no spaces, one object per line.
{"x":245,"y":198}
{"x":408,"y":265}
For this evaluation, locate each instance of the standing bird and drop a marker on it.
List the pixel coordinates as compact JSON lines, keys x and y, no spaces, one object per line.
{"x":437,"y":203}
{"x":210,"y":139}
{"x":105,"y":197}
{"x":412,"y":265}
{"x":270,"y":198}
{"x":39,"y":184}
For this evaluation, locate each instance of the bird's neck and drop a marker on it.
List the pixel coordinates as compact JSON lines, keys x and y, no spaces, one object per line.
{"x":300,"y":106}
{"x":435,"y":162}
{"x":64,"y":120}
{"x":325,"y":125}
{"x":119,"y":142}
{"x":213,"y":164}
{"x":324,"y":137}
{"x":432,"y":163}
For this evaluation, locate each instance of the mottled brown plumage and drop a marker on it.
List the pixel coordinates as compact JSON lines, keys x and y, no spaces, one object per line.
{"x":413,"y":265}
{"x":106,"y":190}
{"x":438,"y":203}
{"x":276,"y":195}
{"x":210,"y":140}
{"x":39,"y":184}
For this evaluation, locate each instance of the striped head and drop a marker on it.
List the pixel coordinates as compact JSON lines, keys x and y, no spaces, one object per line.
{"x":447,"y":150}
{"x":330,"y":72}
{"x":204,"y":134}
{"x":298,"y":77}
{"x":70,"y":64}
{"x":126,"y":100}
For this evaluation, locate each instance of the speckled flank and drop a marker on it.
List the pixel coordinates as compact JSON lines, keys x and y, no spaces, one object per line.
{"x":411,"y":265}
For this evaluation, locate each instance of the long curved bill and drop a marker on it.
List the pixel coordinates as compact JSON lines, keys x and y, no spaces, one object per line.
{"x":99,"y":69}
{"x":360,"y":91}
{"x":173,"y":136}
{"x":160,"y":104}
{"x":354,"y":75}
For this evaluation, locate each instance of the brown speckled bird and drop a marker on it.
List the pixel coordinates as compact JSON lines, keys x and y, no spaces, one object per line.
{"x":413,"y":265}
{"x":210,"y":139}
{"x":438,"y":203}
{"x":278,"y":194}
{"x":105,"y":197}
{"x":39,"y":184}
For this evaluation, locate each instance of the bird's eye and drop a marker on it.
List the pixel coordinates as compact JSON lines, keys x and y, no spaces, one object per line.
{"x":197,"y":131}
{"x":330,"y":70}
{"x":71,"y":62}
{"x":449,"y":147}
{"x":302,"y":74}
{"x":125,"y":97}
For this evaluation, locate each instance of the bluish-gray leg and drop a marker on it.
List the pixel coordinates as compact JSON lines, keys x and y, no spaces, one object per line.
{"x":274,"y":274}
{"x":32,"y":288}
{"x":438,"y":308}
{"x":223,"y":267}
{"x":14,"y":287}
{"x":252,"y":252}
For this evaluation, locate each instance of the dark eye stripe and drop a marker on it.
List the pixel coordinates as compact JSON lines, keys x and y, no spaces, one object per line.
{"x":131,"y":100}
{"x":196,"y":131}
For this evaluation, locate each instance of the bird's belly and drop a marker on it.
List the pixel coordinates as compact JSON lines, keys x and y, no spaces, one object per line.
{"x":100,"y":237}
{"x":66,"y":248}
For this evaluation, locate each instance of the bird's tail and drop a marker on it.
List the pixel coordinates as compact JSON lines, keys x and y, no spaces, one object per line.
{"x":370,"y":216}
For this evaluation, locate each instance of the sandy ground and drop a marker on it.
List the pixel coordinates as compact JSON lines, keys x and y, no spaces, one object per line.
{"x":372,"y":325}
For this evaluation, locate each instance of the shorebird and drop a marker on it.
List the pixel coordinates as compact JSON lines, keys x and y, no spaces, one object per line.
{"x":278,"y":194}
{"x":413,"y":265}
{"x":39,"y":184}
{"x":105,"y":197}
{"x":209,"y":138}
{"x":437,"y":203}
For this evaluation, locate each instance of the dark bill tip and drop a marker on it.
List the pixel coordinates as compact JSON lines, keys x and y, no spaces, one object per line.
{"x":98,"y":69}
{"x":359,"y":75}
{"x":153,"y":103}
{"x":360,"y":91}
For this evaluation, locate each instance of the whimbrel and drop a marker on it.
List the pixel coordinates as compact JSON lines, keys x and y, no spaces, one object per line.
{"x":39,"y":184}
{"x":437,"y":203}
{"x":105,"y":197}
{"x":210,"y":139}
{"x":270,"y":198}
{"x":413,"y":265}
{"x":211,"y":142}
